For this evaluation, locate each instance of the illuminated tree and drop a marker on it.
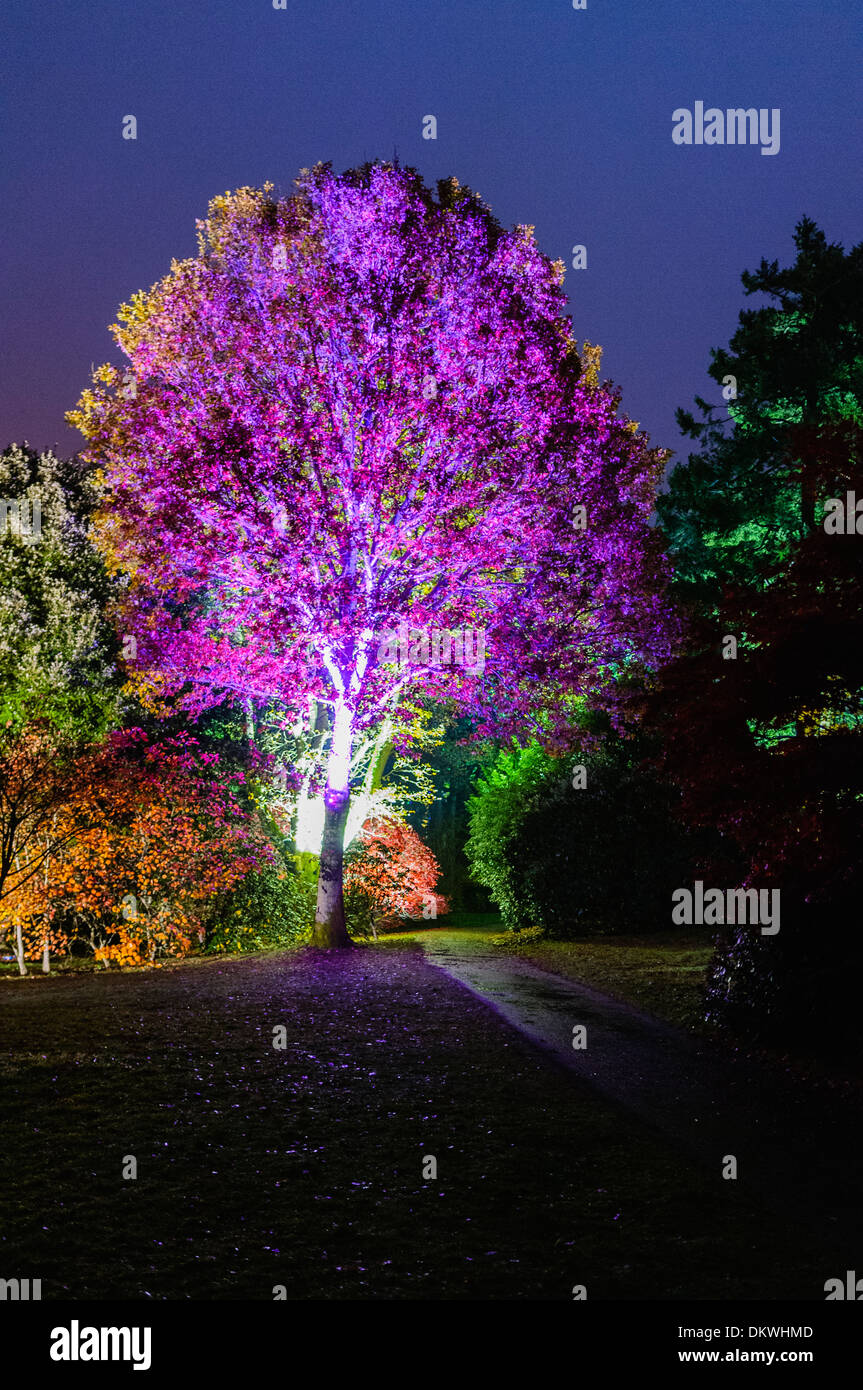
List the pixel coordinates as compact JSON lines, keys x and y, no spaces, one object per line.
{"x":360,"y":411}
{"x":40,"y":778}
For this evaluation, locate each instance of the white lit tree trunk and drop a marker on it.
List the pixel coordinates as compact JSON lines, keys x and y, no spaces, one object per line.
{"x":19,"y":944}
{"x":330,"y":930}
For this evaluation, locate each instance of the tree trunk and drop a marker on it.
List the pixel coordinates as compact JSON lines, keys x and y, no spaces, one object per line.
{"x":19,"y":942}
{"x":809,"y":449}
{"x":807,"y":502}
{"x":329,"y":930}
{"x":46,"y":957}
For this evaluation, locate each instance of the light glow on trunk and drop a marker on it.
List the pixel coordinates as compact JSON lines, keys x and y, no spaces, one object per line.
{"x":339,"y":762}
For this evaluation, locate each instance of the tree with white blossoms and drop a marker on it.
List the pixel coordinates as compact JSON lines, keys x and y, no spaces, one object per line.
{"x":59,"y":679}
{"x":58,"y":648}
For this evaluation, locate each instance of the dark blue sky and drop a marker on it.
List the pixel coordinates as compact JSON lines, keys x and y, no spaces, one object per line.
{"x":559,"y":118}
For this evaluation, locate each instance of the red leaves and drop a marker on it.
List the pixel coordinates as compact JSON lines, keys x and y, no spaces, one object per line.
{"x":395,"y":870}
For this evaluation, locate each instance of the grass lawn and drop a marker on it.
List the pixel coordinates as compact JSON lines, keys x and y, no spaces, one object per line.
{"x":303,"y":1166}
{"x":661,"y":974}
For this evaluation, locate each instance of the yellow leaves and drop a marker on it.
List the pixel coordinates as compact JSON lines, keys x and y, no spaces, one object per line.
{"x":107,"y":536}
{"x":83,"y":417}
{"x":137,"y":310}
{"x":127,"y":954}
{"x":226,"y":210}
{"x":140,"y":309}
{"x":591,"y":358}
{"x":88,"y":415}
{"x":148,"y":688}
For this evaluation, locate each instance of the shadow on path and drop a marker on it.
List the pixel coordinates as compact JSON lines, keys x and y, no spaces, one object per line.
{"x":798,"y":1153}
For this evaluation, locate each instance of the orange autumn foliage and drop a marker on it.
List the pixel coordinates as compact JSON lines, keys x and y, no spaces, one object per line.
{"x":148,"y":833}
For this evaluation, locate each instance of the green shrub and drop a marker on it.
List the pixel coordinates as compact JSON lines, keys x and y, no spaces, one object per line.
{"x":362,"y":914}
{"x":577,"y":861}
{"x":272,"y":908}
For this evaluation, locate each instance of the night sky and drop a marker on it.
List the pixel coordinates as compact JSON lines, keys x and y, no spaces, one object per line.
{"x":559,"y":118}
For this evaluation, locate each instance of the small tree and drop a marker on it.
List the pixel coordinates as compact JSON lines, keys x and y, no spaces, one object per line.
{"x":40,"y":783}
{"x":394,"y":872}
